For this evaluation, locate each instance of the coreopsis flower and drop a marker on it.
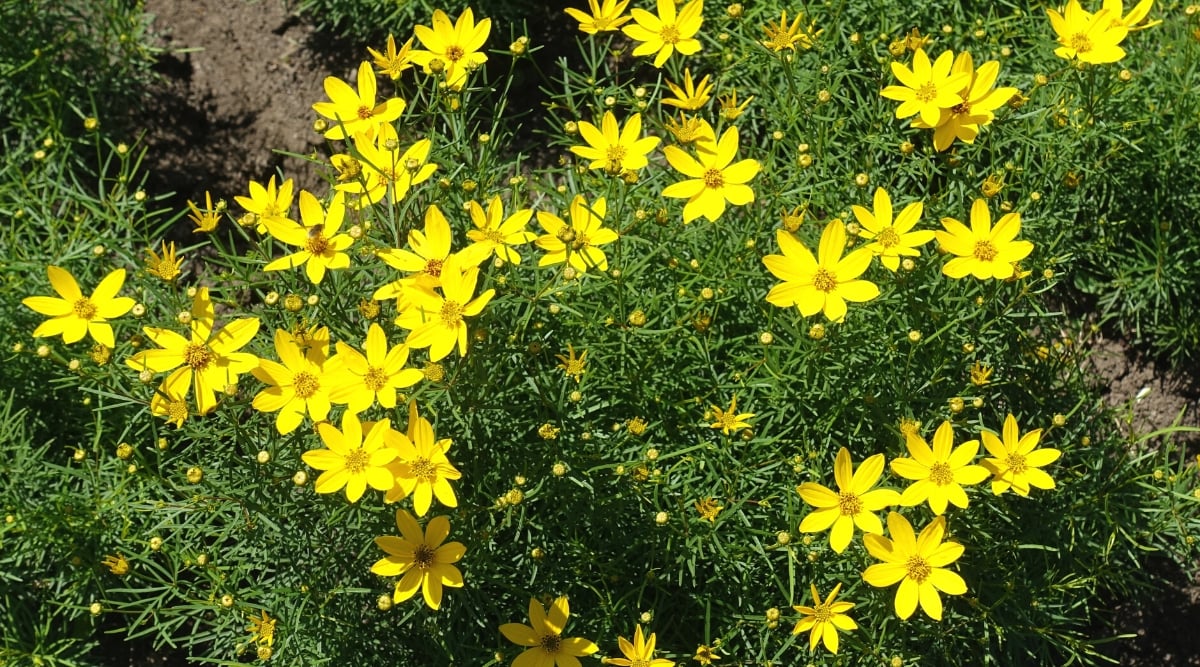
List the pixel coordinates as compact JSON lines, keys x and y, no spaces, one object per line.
{"x":206,"y":219}
{"x":207,"y":361}
{"x":384,"y":168}
{"x":927,"y":88}
{"x":939,"y":473}
{"x":917,"y":563}
{"x":117,"y":564}
{"x":457,"y":46}
{"x":712,"y":180}
{"x":543,"y":637}
{"x":983,"y":251}
{"x":1016,"y":462}
{"x":1090,"y":38}
{"x":730,"y":420}
{"x":171,"y":402}
{"x":693,"y":130}
{"x":73,"y":315}
{"x":708,"y":509}
{"x":980,"y":374}
{"x":423,"y":263}
{"x":891,"y":240}
{"x":375,"y":377}
{"x":978,"y":101}
{"x":788,"y":37}
{"x":706,"y":655}
{"x":573,"y":366}
{"x":667,"y":32}
{"x":822,"y":284}
{"x":166,"y":267}
{"x":420,"y":555}
{"x":318,"y":238}
{"x":852,"y":505}
{"x":421,"y":468}
{"x":692,"y":95}
{"x":298,"y":385}
{"x":576,"y":244}
{"x":639,"y":652}
{"x":351,"y":460}
{"x":496,"y":235}
{"x":604,"y":17}
{"x":352,"y":111}
{"x":262,"y":629}
{"x":392,"y":62}
{"x":437,"y":321}
{"x":824,"y":619}
{"x":269,"y":205}
{"x":613,"y":149}
{"x":731,"y":109}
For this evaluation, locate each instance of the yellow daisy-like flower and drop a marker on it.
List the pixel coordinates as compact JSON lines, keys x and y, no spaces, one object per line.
{"x":706,"y":655}
{"x":166,"y":267}
{"x":731,"y":110}
{"x":1016,"y":462}
{"x":730,"y":420}
{"x":354,"y":111}
{"x":604,"y":17}
{"x":421,"y":468}
{"x":821,"y":284}
{"x":692,"y":95}
{"x":980,"y":374}
{"x":420,"y":555}
{"x":917,"y":563}
{"x":578,"y":243}
{"x":171,"y":402}
{"x":117,"y":564}
{"x":393,"y":62}
{"x":364,"y":380}
{"x":269,"y":205}
{"x":927,"y":88}
{"x":321,"y":245}
{"x":457,"y":46}
{"x":74,"y":315}
{"x":667,"y":32}
{"x":693,"y":130}
{"x":712,"y":181}
{"x":262,"y":629}
{"x":852,"y":505}
{"x":423,"y":264}
{"x":978,"y":102}
{"x":639,"y":652}
{"x":983,"y":251}
{"x":573,"y":366}
{"x":613,"y":149}
{"x":787,"y":37}
{"x":208,"y":361}
{"x":297,"y":386}
{"x":824,"y":619}
{"x":496,"y":235}
{"x":384,"y":170}
{"x":543,"y":637}
{"x":939,"y":473}
{"x":437,"y":321}
{"x":206,"y":219}
{"x":708,"y":509}
{"x":1090,"y":38}
{"x":351,"y":461}
{"x":891,"y":240}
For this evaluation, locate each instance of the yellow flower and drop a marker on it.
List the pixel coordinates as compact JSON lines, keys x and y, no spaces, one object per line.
{"x":171,"y":402}
{"x":420,"y":555}
{"x":926,"y":89}
{"x":692,"y":96}
{"x":298,"y":385}
{"x":708,"y":509}
{"x":166,"y":267}
{"x":364,"y":380}
{"x":1134,"y":19}
{"x":824,"y":619}
{"x":1017,"y":463}
{"x":731,"y":420}
{"x":852,"y":505}
{"x":706,"y":655}
{"x":603,"y":18}
{"x":263,"y":629}
{"x":615,"y":150}
{"x":667,"y":32}
{"x":939,"y":473}
{"x":1090,"y":38}
{"x":983,"y":251}
{"x":457,"y":46}
{"x":822,"y":284}
{"x":424,"y":263}
{"x":573,"y":366}
{"x":385,"y":170}
{"x":116,"y":564}
{"x":639,"y":653}
{"x":576,"y":244}
{"x":891,"y":240}
{"x":543,"y":636}
{"x":351,"y":461}
{"x":269,"y":206}
{"x":977,"y":102}
{"x":321,"y":244}
{"x":355,"y":111}
{"x":206,"y":219}
{"x":437,"y":320}
{"x":917,"y":563}
{"x":74,"y":315}
{"x":730,"y":109}
{"x":393,"y":62}
{"x":784,"y":36}
{"x":421,"y":468}
{"x":693,"y":130}
{"x":495,"y":234}
{"x":209,"y":362}
{"x":712,"y":181}
{"x":980,"y":374}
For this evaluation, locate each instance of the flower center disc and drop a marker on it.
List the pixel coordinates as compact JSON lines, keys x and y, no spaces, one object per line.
{"x":451,"y":314}
{"x":306,"y":384}
{"x":375,"y":379}
{"x":357,"y":460}
{"x":927,"y":92}
{"x":940,"y":474}
{"x":888,"y":238}
{"x":824,"y":280}
{"x":669,"y":34}
{"x":84,"y":309}
{"x":985,"y":251}
{"x":197,"y":356}
{"x":849,"y":504}
{"x":713,"y":178}
{"x":918,"y":569}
